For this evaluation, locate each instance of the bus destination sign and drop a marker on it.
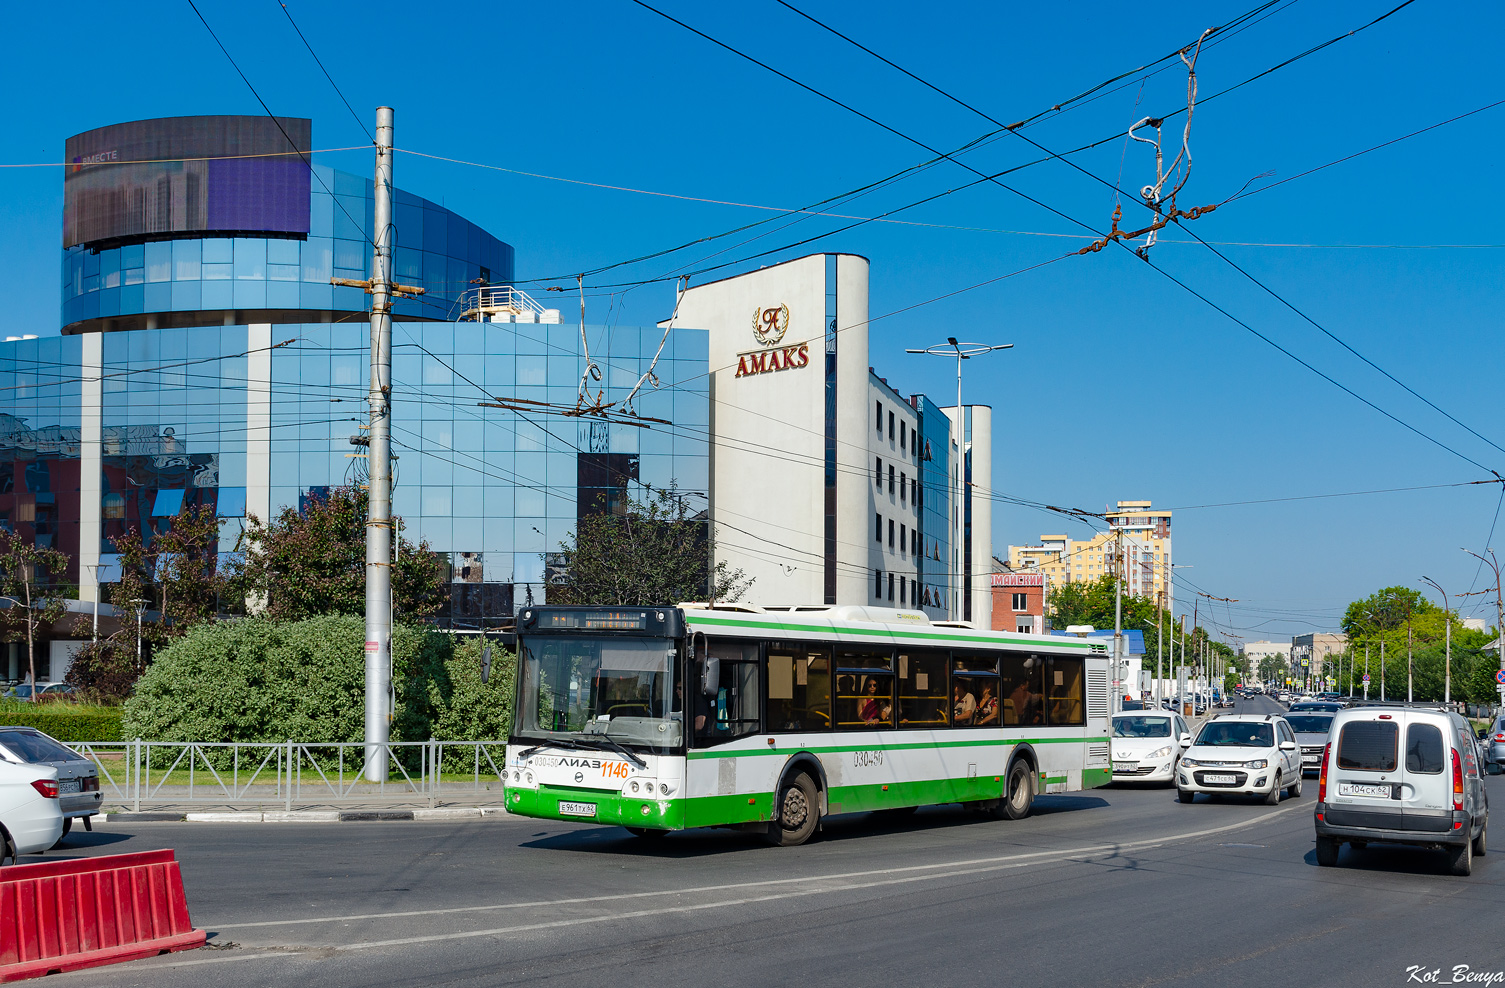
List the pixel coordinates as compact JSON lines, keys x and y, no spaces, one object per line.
{"x":595,"y":620}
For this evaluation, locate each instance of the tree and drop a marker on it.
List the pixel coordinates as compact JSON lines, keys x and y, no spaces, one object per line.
{"x":1384,"y":610}
{"x":27,"y":573}
{"x":312,"y":562}
{"x":179,"y":575}
{"x":1092,"y":602}
{"x":654,"y":552}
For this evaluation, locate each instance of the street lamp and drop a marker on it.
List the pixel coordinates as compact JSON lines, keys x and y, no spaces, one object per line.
{"x":1447,"y":616}
{"x":140,"y":611}
{"x":962,"y":351}
{"x":1494,"y":564}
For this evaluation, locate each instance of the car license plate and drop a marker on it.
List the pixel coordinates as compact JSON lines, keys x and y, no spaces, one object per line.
{"x":577,"y":809}
{"x":69,"y":786}
{"x":1220,"y":780}
{"x":1360,"y":789}
{"x":1125,"y":766}
{"x":1310,"y":759}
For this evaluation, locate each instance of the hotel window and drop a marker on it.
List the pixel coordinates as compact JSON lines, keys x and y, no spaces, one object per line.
{"x":890,"y":439}
{"x":902,"y":438}
{"x":903,"y":487}
{"x":914,"y":541}
{"x":890,"y":541}
{"x":902,"y":583}
{"x":878,"y":473}
{"x":878,"y":584}
{"x":890,"y":586}
{"x":890,"y":478}
{"x":1021,"y":602}
{"x":903,"y":540}
{"x":880,"y":418}
{"x":878,"y":531}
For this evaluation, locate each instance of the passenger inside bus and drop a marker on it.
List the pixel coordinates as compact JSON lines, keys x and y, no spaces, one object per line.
{"x":965,"y":705}
{"x":1027,"y":706}
{"x":875,"y":710}
{"x":987,"y":708}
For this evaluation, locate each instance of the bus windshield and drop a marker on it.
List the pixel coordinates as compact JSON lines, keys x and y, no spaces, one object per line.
{"x":624,"y":689}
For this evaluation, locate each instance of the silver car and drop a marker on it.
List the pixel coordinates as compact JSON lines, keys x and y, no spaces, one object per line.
{"x":1492,"y":745}
{"x":1311,"y":729}
{"x":77,"y":776}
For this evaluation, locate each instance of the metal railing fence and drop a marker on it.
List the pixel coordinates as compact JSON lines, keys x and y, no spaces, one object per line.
{"x":145,"y":773}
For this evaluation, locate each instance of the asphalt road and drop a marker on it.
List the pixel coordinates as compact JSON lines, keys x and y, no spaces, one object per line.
{"x":1118,"y":886}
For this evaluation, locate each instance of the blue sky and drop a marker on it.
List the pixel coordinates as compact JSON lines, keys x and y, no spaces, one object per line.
{"x":1121,"y":385}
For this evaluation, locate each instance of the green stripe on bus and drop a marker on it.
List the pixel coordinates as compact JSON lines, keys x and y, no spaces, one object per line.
{"x":694,"y":617}
{"x":871,"y":746}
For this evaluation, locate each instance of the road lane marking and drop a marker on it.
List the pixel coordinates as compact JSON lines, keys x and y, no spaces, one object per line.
{"x":941,"y":869}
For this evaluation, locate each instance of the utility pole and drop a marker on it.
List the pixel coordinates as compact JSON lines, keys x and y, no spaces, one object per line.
{"x":1366,"y":672}
{"x":1382,"y":668}
{"x":1118,"y":621}
{"x":1159,"y":648}
{"x":379,"y":501}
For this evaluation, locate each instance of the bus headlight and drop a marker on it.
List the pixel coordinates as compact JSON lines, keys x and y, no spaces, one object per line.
{"x":634,"y":786}
{"x":529,"y":778}
{"x":664,"y":787}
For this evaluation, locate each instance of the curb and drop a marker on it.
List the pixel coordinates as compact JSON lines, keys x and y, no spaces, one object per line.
{"x":437,"y":814}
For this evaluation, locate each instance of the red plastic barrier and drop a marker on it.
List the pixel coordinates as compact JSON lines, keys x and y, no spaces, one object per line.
{"x":66,"y":915}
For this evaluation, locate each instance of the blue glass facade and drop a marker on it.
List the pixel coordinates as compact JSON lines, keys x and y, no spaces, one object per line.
{"x":211,"y":415}
{"x":196,"y":282}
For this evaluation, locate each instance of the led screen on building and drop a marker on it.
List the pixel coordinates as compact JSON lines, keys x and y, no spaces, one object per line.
{"x":187,"y":176}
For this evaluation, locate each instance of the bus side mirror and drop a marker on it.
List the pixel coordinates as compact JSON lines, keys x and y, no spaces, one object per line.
{"x":710,"y":666}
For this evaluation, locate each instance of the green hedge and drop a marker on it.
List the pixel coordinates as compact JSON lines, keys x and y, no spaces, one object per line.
{"x":66,"y":721}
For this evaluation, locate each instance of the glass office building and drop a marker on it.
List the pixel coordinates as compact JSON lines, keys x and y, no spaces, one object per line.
{"x":206,"y":360}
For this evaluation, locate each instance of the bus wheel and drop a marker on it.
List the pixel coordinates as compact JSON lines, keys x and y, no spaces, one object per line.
{"x":1020,"y":793}
{"x":647,"y":832}
{"x":799,"y":812}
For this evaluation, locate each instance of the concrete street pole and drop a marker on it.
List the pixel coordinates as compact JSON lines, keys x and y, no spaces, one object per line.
{"x":1447,"y":617}
{"x":1118,"y":623}
{"x":379,"y":511}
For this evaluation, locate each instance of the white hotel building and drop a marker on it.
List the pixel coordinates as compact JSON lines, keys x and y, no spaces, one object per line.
{"x":827,"y":485}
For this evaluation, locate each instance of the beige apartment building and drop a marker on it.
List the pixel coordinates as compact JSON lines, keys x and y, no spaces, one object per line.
{"x":1146,"y":535}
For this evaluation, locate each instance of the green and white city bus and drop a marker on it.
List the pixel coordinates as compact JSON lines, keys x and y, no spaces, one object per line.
{"x":665,"y":718}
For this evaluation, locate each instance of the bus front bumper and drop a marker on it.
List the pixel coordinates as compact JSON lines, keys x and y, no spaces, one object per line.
{"x":589,"y":806}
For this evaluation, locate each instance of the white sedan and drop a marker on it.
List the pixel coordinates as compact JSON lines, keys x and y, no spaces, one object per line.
{"x":31,"y":817}
{"x":1144,"y":746}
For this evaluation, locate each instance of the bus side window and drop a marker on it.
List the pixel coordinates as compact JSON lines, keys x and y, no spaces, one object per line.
{"x":864,"y":689}
{"x":923,"y":698}
{"x":732,"y":712}
{"x":1065,"y":698}
{"x":1022,"y":687}
{"x":799,"y":689}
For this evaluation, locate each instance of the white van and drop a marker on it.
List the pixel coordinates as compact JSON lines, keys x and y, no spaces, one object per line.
{"x":1401,"y":774}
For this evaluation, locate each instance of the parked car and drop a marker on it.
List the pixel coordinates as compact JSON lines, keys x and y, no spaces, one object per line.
{"x":1492,"y":745}
{"x":47,"y":691}
{"x":30,"y":818}
{"x":1145,"y":747}
{"x":1310,"y":728}
{"x":1402,"y":774}
{"x":77,"y":777}
{"x":1253,"y":754}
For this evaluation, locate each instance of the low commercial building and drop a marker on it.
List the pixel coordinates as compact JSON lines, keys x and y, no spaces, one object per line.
{"x":1019,"y":602}
{"x":1310,"y":654}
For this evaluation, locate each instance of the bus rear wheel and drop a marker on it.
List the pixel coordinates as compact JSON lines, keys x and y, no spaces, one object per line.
{"x":799,"y":812}
{"x":1019,"y":796}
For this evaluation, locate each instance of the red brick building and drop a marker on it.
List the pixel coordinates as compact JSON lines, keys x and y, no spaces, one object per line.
{"x":1019,"y":602}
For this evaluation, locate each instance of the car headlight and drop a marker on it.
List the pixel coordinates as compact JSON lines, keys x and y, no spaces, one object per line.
{"x":1257,"y":763}
{"x":1160,"y":752}
{"x":1191,"y":762}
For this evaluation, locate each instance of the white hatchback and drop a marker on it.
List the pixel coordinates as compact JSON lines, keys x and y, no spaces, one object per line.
{"x":1249,"y":754}
{"x":1145,"y":746}
{"x":31,"y":818}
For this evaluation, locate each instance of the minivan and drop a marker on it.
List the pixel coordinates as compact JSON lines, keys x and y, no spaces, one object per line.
{"x":1400,"y":773}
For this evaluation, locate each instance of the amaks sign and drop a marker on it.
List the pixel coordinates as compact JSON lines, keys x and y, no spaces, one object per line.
{"x":767,"y":361}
